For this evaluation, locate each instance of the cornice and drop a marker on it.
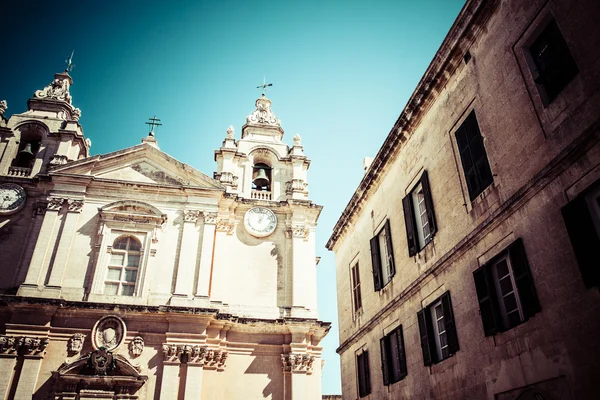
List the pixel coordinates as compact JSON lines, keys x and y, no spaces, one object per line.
{"x":463,"y":32}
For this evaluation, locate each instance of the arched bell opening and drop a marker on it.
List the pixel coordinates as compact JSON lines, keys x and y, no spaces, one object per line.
{"x":262,"y":177}
{"x":29,"y":145}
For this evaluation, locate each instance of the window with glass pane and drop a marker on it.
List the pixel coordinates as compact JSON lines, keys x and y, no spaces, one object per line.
{"x":385,"y":261}
{"x":439,"y":328}
{"x":420,"y":210}
{"x":123,"y":267}
{"x":356,"y":296}
{"x":508,"y":298}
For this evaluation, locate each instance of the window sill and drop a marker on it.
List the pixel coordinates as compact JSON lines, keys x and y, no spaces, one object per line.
{"x":484,"y":202}
{"x":442,"y":365}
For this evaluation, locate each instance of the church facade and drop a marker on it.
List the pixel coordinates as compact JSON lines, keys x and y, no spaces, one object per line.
{"x":131,"y":275}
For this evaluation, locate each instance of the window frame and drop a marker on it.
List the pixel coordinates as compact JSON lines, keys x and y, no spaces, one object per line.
{"x":415,"y":234}
{"x":124,"y":267}
{"x":393,"y":368}
{"x":363,"y":374}
{"x":376,"y":257}
{"x":471,"y":130}
{"x":355,"y":285}
{"x":492,"y":310}
{"x":430,"y":334}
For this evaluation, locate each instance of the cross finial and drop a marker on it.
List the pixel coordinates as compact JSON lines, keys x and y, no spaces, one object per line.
{"x":69,"y":62}
{"x":153,"y":122}
{"x":264,"y":86}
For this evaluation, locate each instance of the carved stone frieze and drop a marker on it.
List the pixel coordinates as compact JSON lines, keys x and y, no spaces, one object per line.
{"x":297,"y":362}
{"x":75,"y":344}
{"x":194,"y":354}
{"x":57,"y":90}
{"x":74,"y":205}
{"x":136,"y":346}
{"x":23,"y":345}
{"x":263,"y":114}
{"x":296,"y":186}
{"x":55,"y":203}
{"x":210,"y":218}
{"x":191,"y":215}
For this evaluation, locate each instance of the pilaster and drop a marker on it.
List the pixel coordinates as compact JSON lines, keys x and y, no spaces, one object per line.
{"x":206,"y":255}
{"x":65,"y":242}
{"x":187,"y":254}
{"x":219,"y":287}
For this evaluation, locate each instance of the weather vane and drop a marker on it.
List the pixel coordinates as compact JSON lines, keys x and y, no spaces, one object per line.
{"x":154,"y":122}
{"x":69,"y":62}
{"x":264,"y":86}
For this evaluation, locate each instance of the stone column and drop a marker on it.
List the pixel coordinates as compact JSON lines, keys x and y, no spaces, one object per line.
{"x":65,"y":243}
{"x":193,"y":383}
{"x":295,"y":368}
{"x":7,"y":367}
{"x":44,"y":245}
{"x":184,"y":286}
{"x":33,"y":354}
{"x":206,"y":255}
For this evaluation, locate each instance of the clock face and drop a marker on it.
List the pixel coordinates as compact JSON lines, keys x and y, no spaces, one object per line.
{"x":260,"y":221}
{"x":12,"y":198}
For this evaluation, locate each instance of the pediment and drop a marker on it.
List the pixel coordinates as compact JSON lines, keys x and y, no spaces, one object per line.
{"x":139,"y":164}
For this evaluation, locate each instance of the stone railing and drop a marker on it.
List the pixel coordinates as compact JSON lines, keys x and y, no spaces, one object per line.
{"x":260,"y":195}
{"x":19,"y":171}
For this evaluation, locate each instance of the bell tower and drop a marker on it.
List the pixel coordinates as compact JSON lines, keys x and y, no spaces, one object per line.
{"x":47,"y":134}
{"x":260,"y":166}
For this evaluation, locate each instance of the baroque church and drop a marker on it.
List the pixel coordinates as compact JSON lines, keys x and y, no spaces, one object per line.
{"x":131,"y":275}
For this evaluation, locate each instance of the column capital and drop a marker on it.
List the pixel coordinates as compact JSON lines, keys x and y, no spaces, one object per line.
{"x":210,"y":217}
{"x":191,"y":215}
{"x":194,"y":354}
{"x":297,"y":362}
{"x":26,"y":345}
{"x":74,"y":205}
{"x":55,"y":203}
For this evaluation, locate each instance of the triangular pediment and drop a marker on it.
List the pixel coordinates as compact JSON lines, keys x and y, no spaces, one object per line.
{"x":139,"y":164}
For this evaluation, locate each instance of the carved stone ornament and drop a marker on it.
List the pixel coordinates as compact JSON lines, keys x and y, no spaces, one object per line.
{"x":194,"y":354}
{"x":76,"y":114}
{"x":228,"y":179}
{"x":88,"y":142}
{"x":102,"y":361}
{"x":191,"y":215}
{"x":263,"y":114}
{"x":39,"y":208}
{"x":210,"y":218}
{"x":58,"y":160}
{"x":74,"y":205}
{"x":23,"y":345}
{"x":230,"y":133}
{"x":75,"y":344}
{"x":296,"y":186}
{"x":225,"y":225}
{"x":3,"y":107}
{"x":300,"y":232}
{"x":297,"y":362}
{"x":55,"y":203}
{"x":109,"y":332}
{"x":136,"y":346}
{"x":57,"y":90}
{"x":297,"y":140}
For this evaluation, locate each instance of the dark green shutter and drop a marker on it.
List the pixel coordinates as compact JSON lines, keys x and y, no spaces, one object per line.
{"x":367,"y":373}
{"x":376,"y":263}
{"x":401,"y":353}
{"x":449,"y":324}
{"x":523,"y":279}
{"x":384,"y":361}
{"x":390,"y":248}
{"x":486,"y":294}
{"x":584,"y":240}
{"x":428,"y":203}
{"x":409,"y":220}
{"x":424,"y":321}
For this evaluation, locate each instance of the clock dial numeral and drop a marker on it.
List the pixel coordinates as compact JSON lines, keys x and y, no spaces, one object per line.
{"x":260,"y":221}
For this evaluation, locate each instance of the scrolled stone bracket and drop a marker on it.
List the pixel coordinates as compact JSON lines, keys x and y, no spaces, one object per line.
{"x":194,"y":354}
{"x":191,"y":215}
{"x":297,"y":362}
{"x":26,"y":345}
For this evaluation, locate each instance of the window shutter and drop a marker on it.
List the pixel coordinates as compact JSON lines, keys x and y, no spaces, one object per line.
{"x":486,"y":294}
{"x":449,"y":324}
{"x":523,"y":279}
{"x":376,"y":263}
{"x":401,"y":353}
{"x":367,"y":373}
{"x":428,"y":203}
{"x":409,"y":220}
{"x":423,"y":318}
{"x":584,"y":240}
{"x":384,"y":362}
{"x":390,"y":248}
{"x":360,"y":361}
{"x":468,"y":164}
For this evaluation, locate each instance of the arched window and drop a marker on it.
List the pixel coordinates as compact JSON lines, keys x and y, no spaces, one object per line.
{"x":27,"y":152}
{"x":261,"y":177}
{"x":123,"y":267}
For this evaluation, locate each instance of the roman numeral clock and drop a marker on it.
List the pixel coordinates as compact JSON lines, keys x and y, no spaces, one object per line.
{"x":260,"y":221}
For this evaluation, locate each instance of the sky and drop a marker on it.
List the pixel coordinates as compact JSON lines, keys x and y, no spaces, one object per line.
{"x":342,"y":72}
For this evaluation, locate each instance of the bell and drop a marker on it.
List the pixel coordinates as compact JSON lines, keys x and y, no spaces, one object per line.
{"x":26,"y":153}
{"x":261,"y":179}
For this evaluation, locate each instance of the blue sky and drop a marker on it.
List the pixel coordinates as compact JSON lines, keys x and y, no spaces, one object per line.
{"x":342,"y":73}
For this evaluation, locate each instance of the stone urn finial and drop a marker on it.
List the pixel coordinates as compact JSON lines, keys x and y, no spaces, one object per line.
{"x":297,"y":140}
{"x":230,"y":133}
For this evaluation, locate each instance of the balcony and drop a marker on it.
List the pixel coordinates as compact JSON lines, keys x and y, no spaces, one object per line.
{"x":260,"y":195}
{"x":21,"y":172}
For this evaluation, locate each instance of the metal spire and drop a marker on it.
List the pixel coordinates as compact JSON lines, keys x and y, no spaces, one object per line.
{"x":264,"y":86}
{"x":69,"y":62}
{"x":153,"y":122}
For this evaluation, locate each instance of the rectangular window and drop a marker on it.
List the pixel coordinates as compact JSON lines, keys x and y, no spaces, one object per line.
{"x":582,"y":219}
{"x":473,"y":156}
{"x":356,"y":296}
{"x":437,"y":329}
{"x":505,"y":290}
{"x":393,"y":357}
{"x":123,"y":266}
{"x":382,"y":257}
{"x":553,"y":66}
{"x":418,"y":216}
{"x":364,"y":375}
